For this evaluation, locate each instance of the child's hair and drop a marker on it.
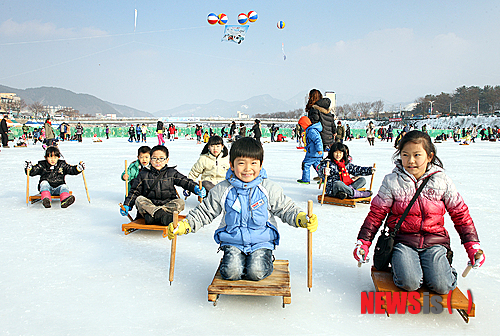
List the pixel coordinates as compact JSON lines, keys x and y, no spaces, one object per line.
{"x":246,"y":147}
{"x":159,"y":148}
{"x":338,"y":146}
{"x":314,"y":96}
{"x":52,"y":151}
{"x":422,"y":138}
{"x":143,"y":150}
{"x":215,"y":140}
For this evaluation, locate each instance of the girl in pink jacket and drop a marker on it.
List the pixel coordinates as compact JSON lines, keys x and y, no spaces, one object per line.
{"x":422,"y":245}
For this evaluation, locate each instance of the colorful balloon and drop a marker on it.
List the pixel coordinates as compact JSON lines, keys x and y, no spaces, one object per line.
{"x":281,"y":24}
{"x":212,"y":18}
{"x":242,"y":18}
{"x":222,"y":19}
{"x":252,"y":16}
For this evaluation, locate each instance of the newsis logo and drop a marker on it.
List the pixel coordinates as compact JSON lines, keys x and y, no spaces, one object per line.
{"x":399,"y":302}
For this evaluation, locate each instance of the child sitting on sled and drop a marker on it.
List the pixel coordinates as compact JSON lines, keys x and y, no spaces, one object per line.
{"x":143,"y":160}
{"x":212,"y":164}
{"x":248,"y":201}
{"x":344,"y":178}
{"x":153,"y":191}
{"x":422,"y":244}
{"x":314,"y":147}
{"x":52,"y":171}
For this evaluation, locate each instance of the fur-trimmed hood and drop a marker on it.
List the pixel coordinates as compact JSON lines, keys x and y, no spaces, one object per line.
{"x":323,"y":105}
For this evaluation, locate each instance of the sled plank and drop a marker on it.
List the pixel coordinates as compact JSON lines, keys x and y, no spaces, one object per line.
{"x":139,"y":224}
{"x":277,"y":284}
{"x":384,"y":283}
{"x":348,"y":202}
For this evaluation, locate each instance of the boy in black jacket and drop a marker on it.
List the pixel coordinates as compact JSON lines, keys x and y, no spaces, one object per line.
{"x":52,"y":171}
{"x":153,"y":191}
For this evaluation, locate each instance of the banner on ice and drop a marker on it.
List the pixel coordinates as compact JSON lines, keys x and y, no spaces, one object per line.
{"x":235,"y":33}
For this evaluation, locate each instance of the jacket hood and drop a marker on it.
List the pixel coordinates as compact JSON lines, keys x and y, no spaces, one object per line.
{"x":236,"y":182}
{"x":323,"y":105}
{"x":317,"y":126}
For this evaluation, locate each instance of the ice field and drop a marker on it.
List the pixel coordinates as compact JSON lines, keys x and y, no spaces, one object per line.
{"x":73,"y":271}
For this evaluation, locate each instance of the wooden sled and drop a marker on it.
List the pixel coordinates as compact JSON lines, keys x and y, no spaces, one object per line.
{"x":347,"y":202}
{"x":384,"y":283}
{"x":277,"y":284}
{"x":139,"y":224}
{"x":38,"y":197}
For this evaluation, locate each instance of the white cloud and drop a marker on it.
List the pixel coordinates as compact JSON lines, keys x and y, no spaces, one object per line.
{"x":38,"y":29}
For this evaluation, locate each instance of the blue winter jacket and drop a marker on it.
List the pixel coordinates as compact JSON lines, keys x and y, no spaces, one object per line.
{"x":248,"y":211}
{"x":314,"y":144}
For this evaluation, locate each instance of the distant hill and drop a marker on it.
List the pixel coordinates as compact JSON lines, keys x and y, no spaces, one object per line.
{"x":85,"y":103}
{"x":258,"y":104}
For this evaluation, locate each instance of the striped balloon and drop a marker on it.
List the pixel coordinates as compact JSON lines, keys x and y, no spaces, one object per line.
{"x":242,"y":18}
{"x":281,"y":24}
{"x":252,"y":16}
{"x":222,"y":19}
{"x":212,"y":18}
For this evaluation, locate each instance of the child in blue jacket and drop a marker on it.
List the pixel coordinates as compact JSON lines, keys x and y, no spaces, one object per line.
{"x":248,"y":202}
{"x":314,"y":147}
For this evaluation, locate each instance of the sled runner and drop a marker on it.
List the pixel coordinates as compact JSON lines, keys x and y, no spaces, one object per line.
{"x":347,"y":202}
{"x":277,"y":284}
{"x":139,"y":224}
{"x":384,"y":283}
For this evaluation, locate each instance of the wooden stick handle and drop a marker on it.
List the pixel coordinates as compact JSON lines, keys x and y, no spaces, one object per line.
{"x":126,"y":181}
{"x":362,"y":256}
{"x":309,"y":247}
{"x":324,"y":186}
{"x":28,"y":186}
{"x":85,"y":183}
{"x":123,"y":208}
{"x":173,"y":247}
{"x":371,"y":182}
{"x":200,"y":185}
{"x":477,"y":256}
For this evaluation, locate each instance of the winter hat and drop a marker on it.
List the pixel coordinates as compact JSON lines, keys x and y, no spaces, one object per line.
{"x":304,"y":122}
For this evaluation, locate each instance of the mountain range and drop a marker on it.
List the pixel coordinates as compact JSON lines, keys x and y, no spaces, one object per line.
{"x":88,"y":104}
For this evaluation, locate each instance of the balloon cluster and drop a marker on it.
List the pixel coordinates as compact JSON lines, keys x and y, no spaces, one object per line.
{"x":222,"y":18}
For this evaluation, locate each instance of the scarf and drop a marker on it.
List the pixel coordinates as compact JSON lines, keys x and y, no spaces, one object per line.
{"x":343,"y":173}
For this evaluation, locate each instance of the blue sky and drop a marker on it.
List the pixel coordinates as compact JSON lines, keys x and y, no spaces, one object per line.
{"x":391,"y":50}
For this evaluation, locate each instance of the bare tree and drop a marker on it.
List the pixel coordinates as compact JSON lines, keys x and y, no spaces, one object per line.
{"x":37,"y":109}
{"x":365,"y":108}
{"x":378,"y":106}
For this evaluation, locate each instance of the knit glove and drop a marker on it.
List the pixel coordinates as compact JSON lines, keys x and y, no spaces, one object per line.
{"x":311,"y":223}
{"x":327,"y":171}
{"x":28,"y":165}
{"x":125,"y":212}
{"x":183,"y":227}
{"x":202,"y":193}
{"x":472,"y":248}
{"x":374,"y":169}
{"x":361,"y":250}
{"x":81,"y":166}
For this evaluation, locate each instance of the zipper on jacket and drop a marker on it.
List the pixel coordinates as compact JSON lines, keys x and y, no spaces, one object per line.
{"x":421,"y":242}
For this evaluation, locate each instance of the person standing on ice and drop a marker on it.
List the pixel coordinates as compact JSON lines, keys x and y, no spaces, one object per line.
{"x":370,"y":134}
{"x":248,"y":202}
{"x":319,"y":111}
{"x":314,"y":148}
{"x":4,"y":132}
{"x":159,"y":131}
{"x":52,"y":171}
{"x":422,"y":244}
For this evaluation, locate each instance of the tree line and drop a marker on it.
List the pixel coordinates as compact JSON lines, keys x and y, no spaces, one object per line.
{"x":464,"y":100}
